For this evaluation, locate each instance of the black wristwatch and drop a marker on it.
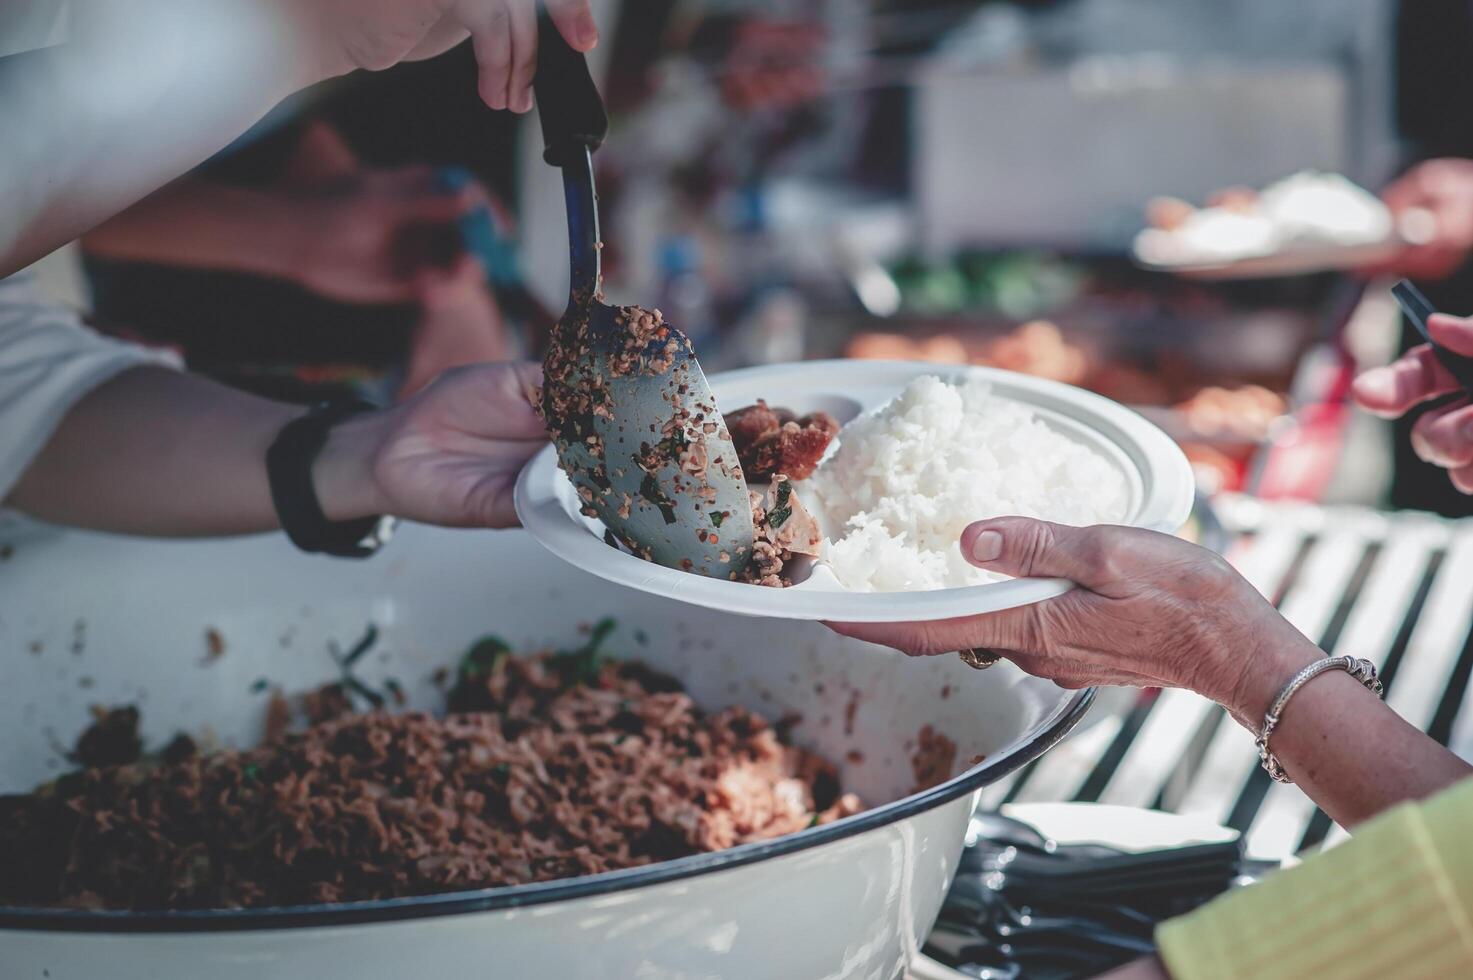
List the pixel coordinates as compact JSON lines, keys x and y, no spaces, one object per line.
{"x":289,"y":470}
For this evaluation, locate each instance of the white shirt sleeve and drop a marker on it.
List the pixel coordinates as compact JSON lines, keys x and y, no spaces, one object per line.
{"x":33,"y":24}
{"x":49,"y":360}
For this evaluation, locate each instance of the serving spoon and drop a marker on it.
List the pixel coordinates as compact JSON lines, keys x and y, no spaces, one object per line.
{"x":632,"y":416}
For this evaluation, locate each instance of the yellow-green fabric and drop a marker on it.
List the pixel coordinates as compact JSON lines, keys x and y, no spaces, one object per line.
{"x":1396,"y":900}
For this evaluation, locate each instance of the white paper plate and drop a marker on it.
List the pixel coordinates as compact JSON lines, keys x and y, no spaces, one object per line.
{"x":1157,"y":475}
{"x":1161,"y":251}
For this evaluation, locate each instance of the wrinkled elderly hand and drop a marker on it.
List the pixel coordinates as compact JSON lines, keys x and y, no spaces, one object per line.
{"x":1151,"y":610}
{"x":376,"y":34}
{"x":1443,"y":436}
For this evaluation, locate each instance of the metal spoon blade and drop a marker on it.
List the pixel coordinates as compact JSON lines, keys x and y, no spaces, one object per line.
{"x":651,"y":457}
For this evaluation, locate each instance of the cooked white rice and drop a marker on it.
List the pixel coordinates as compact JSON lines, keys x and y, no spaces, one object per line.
{"x":907,"y":479}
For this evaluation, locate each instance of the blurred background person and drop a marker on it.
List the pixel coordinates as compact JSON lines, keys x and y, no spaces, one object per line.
{"x":331,"y":247}
{"x":336,"y":246}
{"x":1433,"y":43}
{"x":106,"y":435}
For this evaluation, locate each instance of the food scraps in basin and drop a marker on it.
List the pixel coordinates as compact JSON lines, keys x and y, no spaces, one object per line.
{"x":934,"y":758}
{"x":547,"y":766}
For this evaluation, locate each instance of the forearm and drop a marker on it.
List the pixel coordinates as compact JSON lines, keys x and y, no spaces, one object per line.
{"x":1349,"y":752}
{"x":204,"y":225}
{"x":155,"y":451}
{"x":146,"y":90}
{"x":1146,"y":968}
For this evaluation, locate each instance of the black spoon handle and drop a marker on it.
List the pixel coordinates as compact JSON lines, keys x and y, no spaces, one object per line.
{"x":574,"y":122}
{"x":1418,"y":310}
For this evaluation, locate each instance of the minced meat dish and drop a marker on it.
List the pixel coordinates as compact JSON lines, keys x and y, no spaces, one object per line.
{"x":785,"y":530}
{"x":777,"y":447}
{"x":545,"y":766}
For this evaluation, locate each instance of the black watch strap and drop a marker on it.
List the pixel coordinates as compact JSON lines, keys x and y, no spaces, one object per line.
{"x":289,"y":470}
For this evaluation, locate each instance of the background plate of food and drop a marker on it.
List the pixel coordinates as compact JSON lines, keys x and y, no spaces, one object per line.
{"x":1310,"y":222}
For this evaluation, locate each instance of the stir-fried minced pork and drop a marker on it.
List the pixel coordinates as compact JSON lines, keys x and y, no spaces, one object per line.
{"x":770,"y":440}
{"x":785,"y":530}
{"x":548,"y":766}
{"x":111,"y":740}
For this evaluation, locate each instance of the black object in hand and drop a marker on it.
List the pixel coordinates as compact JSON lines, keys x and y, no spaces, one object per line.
{"x":1419,"y":311}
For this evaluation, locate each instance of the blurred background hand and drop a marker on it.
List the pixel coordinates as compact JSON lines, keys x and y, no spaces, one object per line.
{"x":460,"y":324}
{"x":1443,"y":189}
{"x":1443,"y":435}
{"x":368,"y":239}
{"x":343,"y":230}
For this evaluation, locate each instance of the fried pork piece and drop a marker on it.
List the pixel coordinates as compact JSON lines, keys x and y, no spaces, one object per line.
{"x":774,"y":440}
{"x":556,"y":765}
{"x":749,"y":424}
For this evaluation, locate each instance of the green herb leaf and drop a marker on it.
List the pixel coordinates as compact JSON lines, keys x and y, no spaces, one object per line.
{"x":581,"y":666}
{"x":370,"y":637}
{"x":674,"y":444}
{"x":600,"y":632}
{"x":363,"y":690}
{"x":649,"y":489}
{"x":781,"y":507}
{"x":717,"y":516}
{"x":483,"y":659}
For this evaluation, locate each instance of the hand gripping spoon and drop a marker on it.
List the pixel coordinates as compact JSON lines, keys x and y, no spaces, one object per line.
{"x":634,"y":421}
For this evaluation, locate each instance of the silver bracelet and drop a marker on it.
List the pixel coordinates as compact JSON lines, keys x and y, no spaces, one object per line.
{"x":1359,"y":668}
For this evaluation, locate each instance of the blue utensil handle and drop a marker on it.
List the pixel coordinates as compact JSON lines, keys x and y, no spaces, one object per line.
{"x":1419,"y":310}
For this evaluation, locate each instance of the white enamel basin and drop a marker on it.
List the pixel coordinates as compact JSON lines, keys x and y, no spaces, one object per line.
{"x":88,"y":618}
